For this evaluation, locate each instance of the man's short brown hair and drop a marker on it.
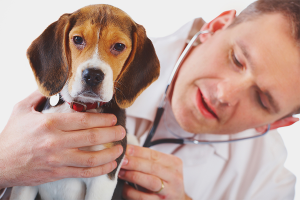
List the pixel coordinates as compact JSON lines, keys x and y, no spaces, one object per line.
{"x":288,"y":8}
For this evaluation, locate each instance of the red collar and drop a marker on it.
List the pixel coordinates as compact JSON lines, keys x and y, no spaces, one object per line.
{"x":82,"y":107}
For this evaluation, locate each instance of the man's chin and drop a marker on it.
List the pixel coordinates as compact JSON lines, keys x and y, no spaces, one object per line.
{"x":192,"y":125}
{"x":188,"y":124}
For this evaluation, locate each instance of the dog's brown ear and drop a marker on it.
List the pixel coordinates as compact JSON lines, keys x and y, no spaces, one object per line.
{"x":48,"y":56}
{"x":140,"y":70}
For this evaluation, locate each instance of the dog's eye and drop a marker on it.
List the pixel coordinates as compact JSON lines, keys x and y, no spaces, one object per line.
{"x":119,"y":47}
{"x":78,"y":40}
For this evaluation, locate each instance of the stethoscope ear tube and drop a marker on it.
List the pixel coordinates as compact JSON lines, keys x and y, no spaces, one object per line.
{"x":159,"y":113}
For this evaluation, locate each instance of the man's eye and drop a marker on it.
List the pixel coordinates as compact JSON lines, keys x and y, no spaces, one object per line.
{"x":235,"y":60}
{"x":261,"y":102}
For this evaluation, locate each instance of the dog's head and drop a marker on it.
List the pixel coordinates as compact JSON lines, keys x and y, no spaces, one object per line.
{"x":93,"y":54}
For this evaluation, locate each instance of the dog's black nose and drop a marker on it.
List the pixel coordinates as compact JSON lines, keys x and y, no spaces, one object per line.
{"x":92,"y":77}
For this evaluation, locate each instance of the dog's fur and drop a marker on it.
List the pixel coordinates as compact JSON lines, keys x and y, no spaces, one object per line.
{"x":58,"y":61}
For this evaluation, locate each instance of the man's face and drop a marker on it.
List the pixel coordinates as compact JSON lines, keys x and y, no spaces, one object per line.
{"x":241,"y":77}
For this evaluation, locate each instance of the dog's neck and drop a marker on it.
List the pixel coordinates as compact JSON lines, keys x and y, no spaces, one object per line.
{"x":82,"y":107}
{"x":79,"y":106}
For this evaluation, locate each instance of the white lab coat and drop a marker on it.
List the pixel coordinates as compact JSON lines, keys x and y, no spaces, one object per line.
{"x":246,"y":170}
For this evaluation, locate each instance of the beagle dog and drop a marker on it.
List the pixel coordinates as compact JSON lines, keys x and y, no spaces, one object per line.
{"x":96,"y":59}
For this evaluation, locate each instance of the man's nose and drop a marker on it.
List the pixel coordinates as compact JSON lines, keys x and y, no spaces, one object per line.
{"x":231,"y":91}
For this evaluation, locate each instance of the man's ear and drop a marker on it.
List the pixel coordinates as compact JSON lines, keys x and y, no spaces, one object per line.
{"x":219,"y":23}
{"x":287,"y":121}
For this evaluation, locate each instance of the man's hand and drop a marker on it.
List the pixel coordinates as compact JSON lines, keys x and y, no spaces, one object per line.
{"x":36,"y":148}
{"x":147,"y":168}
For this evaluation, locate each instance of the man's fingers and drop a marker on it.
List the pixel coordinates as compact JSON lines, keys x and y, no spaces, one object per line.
{"x":32,"y":101}
{"x":149,"y":167}
{"x":78,"y":158}
{"x":133,"y":194}
{"x":147,"y":181}
{"x":74,"y":172}
{"x":156,"y":156}
{"x":79,"y":121}
{"x":94,"y":136}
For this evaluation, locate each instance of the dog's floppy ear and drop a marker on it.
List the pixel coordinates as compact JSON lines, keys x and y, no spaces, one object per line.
{"x":48,"y":56}
{"x":140,"y":70}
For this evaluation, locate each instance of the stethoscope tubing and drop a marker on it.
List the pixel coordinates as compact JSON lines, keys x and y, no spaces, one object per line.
{"x":159,"y":113}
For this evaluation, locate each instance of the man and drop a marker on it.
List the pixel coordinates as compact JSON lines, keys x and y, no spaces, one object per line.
{"x":244,"y":75}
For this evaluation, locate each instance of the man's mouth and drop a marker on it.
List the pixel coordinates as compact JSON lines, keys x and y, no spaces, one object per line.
{"x":203,"y":106}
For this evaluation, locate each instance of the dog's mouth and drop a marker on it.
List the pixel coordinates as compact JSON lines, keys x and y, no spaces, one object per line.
{"x":85,"y":94}
{"x":88,"y":94}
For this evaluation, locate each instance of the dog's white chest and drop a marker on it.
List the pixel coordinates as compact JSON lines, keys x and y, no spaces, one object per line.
{"x":100,"y":187}
{"x":70,"y":188}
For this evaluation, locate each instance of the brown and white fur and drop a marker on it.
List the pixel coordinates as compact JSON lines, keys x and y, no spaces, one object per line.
{"x":113,"y":45}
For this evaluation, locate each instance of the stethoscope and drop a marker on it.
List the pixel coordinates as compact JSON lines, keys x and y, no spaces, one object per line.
{"x":161,"y":109}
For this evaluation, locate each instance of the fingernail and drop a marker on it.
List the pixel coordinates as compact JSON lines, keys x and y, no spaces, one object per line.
{"x":125,"y":161}
{"x":114,"y":120}
{"x":129,"y":150}
{"x":120,"y":149}
{"x":115,"y":164}
{"x":121,"y":173}
{"x":123,"y":132}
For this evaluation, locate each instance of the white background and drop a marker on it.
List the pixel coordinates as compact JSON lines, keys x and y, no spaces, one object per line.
{"x":22,"y":21}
